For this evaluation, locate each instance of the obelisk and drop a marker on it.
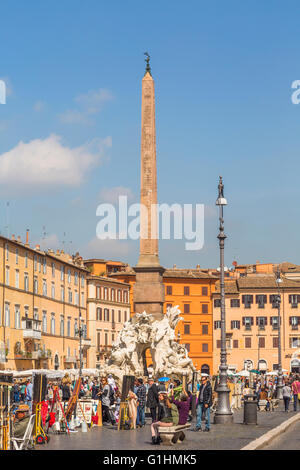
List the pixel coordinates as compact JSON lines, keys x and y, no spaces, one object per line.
{"x":148,"y":294}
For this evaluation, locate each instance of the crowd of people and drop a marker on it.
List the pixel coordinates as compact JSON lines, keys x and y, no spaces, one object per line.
{"x":167,"y":402}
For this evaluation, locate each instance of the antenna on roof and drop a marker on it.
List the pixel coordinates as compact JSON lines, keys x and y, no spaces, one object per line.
{"x":64,"y":241}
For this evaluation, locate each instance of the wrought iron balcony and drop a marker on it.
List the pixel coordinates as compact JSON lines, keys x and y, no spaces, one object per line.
{"x":31,"y":328}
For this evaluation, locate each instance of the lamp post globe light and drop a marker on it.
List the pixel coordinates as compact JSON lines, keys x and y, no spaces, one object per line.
{"x":279,"y":392}
{"x":223,"y":414}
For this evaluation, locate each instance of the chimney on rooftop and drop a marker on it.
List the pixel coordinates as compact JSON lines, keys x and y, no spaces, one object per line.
{"x":13,"y":237}
{"x":19,"y":239}
{"x":27,"y":236}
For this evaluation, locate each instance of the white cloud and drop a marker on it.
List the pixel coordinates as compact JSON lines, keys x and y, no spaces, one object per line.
{"x":8,"y":85}
{"x":39,"y":106}
{"x":42,"y":163}
{"x":109,"y":249}
{"x":111,"y":195}
{"x":89,"y":103}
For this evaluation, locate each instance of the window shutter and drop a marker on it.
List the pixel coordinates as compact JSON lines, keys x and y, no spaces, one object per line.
{"x":231,"y":325}
{"x":243,"y":299}
{"x":256,"y":320}
{"x":251,"y":299}
{"x":243,"y":321}
{"x":256,"y":299}
{"x":290,"y":299}
{"x":252,"y":321}
{"x":290,"y":320}
{"x":265,"y":299}
{"x":239,"y":325}
{"x":266,"y":320}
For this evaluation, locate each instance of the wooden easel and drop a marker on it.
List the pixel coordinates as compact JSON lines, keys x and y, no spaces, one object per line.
{"x":123,"y":415}
{"x":99,"y":413}
{"x":56,"y":400}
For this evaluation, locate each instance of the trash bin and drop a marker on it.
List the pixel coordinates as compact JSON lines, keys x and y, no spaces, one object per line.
{"x":250,"y":409}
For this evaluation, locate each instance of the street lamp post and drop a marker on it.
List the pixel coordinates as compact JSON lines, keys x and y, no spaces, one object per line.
{"x":79,"y":332}
{"x":278,"y":301}
{"x":223,"y":414}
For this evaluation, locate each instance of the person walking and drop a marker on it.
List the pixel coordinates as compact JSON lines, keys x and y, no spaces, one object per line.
{"x":296,"y":392}
{"x":152,"y":399}
{"x":287,"y":394}
{"x":106,"y":402}
{"x":141,"y":395}
{"x":204,"y":404}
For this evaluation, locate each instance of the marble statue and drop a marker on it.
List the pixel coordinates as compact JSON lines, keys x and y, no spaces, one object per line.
{"x":143,"y":332}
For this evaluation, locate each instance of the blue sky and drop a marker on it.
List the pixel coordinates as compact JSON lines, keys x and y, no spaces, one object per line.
{"x":223,"y":73}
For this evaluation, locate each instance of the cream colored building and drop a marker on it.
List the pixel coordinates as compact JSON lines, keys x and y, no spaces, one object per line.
{"x":108,"y":309}
{"x":43,"y":297}
{"x":252,"y":323}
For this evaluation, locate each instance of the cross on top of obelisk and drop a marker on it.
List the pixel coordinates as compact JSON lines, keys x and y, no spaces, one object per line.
{"x":147,"y":60}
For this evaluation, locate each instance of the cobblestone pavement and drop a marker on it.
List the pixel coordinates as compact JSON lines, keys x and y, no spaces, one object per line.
{"x":289,"y":440}
{"x":230,"y":437}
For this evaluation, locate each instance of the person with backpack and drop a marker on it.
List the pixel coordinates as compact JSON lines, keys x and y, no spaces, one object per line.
{"x":168,"y":415}
{"x":107,"y":400}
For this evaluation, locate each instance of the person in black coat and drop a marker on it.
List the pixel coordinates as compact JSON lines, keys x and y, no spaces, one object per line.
{"x":152,"y":399}
{"x":66,"y":392}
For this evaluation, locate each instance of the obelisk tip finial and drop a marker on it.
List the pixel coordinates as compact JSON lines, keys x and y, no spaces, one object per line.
{"x":147,"y":60}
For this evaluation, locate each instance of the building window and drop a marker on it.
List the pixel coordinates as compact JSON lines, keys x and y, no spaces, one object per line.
{"x":125,"y":316}
{"x":112,"y":295}
{"x":186,"y":290}
{"x":17,"y":279}
{"x":294,"y":300}
{"x":187,"y":347}
{"x":217,"y":324}
{"x":186,"y":330}
{"x":275,"y":341}
{"x":82,"y":299}
{"x":186,"y":308}
{"x":35,"y":285}
{"x":75,"y":328}
{"x":98,"y":340}
{"x":204,"y":308}
{"x":69,"y":327}
{"x":205,"y":329}
{"x":247,"y":342}
{"x":26,"y":282}
{"x":76,"y":278}
{"x":105,"y":293}
{"x":17,"y":317}
{"x":106,"y":314}
{"x":204,"y":291}
{"x":274,"y":300}
{"x":52,"y":324}
{"x":17,"y":256}
{"x":217,"y":303}
{"x":235,"y":343}
{"x":82,"y":280}
{"x":62,"y":294}
{"x":119,"y":316}
{"x":235,"y":324}
{"x":76,"y":298}
{"x":261,"y":342}
{"x":113,"y":316}
{"x":234,"y":303}
{"x":98,"y":292}
{"x":44,"y":287}
{"x":204,"y":347}
{"x":294,"y":322}
{"x":99,"y":314}
{"x":62,"y":272}
{"x":247,"y":300}
{"x":247,"y":322}
{"x":7,"y":251}
{"x":44,"y":266}
{"x":125,"y":297}
{"x":62,"y":326}
{"x":294,"y":342}
{"x":26,"y":259}
{"x":53,"y":290}
{"x":69,"y":276}
{"x":70,"y":296}
{"x":7,"y":275}
{"x":44,"y":322}
{"x":274,"y":323}
{"x":261,"y":322}
{"x":169,"y":290}
{"x":261,"y":300}
{"x":119,"y":296}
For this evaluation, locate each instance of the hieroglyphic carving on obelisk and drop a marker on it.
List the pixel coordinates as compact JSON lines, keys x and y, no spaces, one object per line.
{"x":148,"y":227}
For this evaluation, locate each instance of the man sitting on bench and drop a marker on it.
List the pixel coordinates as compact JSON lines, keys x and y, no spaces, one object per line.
{"x":20,"y":423}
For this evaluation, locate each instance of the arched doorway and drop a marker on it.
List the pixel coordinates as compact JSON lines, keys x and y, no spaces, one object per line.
{"x":262,"y":365}
{"x":205,"y":369}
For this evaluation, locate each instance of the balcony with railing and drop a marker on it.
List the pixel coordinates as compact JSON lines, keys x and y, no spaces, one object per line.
{"x":86,"y":343}
{"x":70,"y":359}
{"x":31,"y":328}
